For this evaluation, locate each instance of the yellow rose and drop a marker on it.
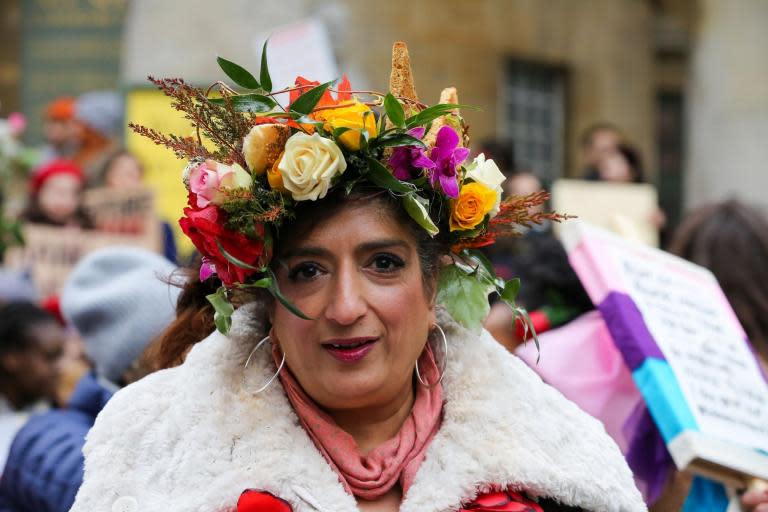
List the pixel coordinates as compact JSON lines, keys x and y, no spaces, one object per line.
{"x":350,"y":116}
{"x":474,"y":203}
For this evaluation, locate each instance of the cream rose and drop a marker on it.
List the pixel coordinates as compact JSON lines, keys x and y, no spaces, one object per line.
{"x":487,"y":173}
{"x":309,"y":164}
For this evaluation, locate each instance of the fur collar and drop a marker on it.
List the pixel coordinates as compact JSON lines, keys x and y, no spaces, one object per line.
{"x":194,"y":437}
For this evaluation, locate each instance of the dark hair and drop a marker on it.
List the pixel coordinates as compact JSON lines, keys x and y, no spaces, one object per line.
{"x":16,"y":319}
{"x":195,"y":315}
{"x":731,"y":240}
{"x":501,"y":151}
{"x":588,"y":135}
{"x":635,"y":161}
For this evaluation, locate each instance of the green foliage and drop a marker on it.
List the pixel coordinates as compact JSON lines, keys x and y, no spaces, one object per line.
{"x":417,"y":208}
{"x":305,"y":103}
{"x":266,"y":80}
{"x":463,"y":296}
{"x":238,"y":74}
{"x":247,"y":102}
{"x":223,"y":310}
{"x":382,"y":177}
{"x":394,"y":110}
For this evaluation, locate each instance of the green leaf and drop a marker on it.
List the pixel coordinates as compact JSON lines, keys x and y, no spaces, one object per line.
{"x":394,"y":110}
{"x":483,"y":267}
{"x":393,"y":140}
{"x":222,"y":308}
{"x":381,"y":176}
{"x":275,"y":290}
{"x":266,"y":80}
{"x":234,"y":260}
{"x":248,"y":102}
{"x":510,"y":291}
{"x":305,"y":103}
{"x":431,"y":113}
{"x":465,"y":298}
{"x":238,"y":74}
{"x":304,"y":119}
{"x":338,"y":132}
{"x":416,"y":206}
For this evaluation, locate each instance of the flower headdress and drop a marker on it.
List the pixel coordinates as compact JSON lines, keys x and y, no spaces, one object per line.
{"x":265,"y":157}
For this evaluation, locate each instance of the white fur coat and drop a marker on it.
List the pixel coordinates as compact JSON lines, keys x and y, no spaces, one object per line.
{"x":192,"y":438}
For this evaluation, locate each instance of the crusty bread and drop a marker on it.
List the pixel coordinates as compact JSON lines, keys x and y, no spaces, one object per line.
{"x":401,"y":79}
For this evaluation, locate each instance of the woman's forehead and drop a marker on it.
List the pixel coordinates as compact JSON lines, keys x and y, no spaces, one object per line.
{"x":357,"y":226}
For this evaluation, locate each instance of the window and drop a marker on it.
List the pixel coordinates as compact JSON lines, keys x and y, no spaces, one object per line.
{"x":532,"y":116}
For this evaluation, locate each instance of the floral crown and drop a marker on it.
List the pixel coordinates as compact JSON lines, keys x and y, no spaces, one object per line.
{"x":261,"y":158}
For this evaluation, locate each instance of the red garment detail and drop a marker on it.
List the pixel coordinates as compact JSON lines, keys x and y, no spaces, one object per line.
{"x":502,"y":501}
{"x":253,"y":500}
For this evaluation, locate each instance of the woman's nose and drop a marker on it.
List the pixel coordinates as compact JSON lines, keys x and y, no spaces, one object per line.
{"x":347,"y":302}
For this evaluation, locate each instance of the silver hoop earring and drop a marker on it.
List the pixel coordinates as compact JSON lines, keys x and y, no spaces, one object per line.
{"x":445,"y":362}
{"x":279,"y":368}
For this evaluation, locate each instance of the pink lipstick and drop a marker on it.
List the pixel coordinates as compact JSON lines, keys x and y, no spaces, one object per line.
{"x":350,"y":350}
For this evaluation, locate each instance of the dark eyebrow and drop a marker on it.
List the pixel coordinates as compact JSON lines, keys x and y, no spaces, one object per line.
{"x":321,"y":252}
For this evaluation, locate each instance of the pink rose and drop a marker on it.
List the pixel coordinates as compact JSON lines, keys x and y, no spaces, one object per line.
{"x":210,"y":181}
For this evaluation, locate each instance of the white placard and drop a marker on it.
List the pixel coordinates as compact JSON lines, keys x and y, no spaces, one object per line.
{"x":697,"y":332}
{"x":301,"y":48}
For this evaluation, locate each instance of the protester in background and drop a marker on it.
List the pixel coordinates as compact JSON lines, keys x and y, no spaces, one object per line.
{"x":596,"y":141}
{"x":99,"y":118}
{"x":731,"y":240}
{"x":621,"y":164}
{"x":119,"y":300}
{"x":121,"y":170}
{"x":55,"y":196}
{"x":31,"y":344}
{"x":59,"y":130}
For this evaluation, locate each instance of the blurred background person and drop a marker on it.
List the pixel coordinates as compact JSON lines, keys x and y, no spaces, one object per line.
{"x":121,"y":170}
{"x":59,"y":130}
{"x":620,"y":164}
{"x":55,"y":196}
{"x":31,"y":345}
{"x":99,"y":122}
{"x":596,"y":141}
{"x":731,"y":239}
{"x":119,"y":299}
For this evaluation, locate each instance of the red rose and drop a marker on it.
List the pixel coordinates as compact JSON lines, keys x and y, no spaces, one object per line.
{"x":261,"y":501}
{"x":506,"y":501}
{"x":204,"y":226}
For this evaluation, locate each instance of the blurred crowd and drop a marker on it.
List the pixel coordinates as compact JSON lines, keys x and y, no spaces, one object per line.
{"x":63,"y":356}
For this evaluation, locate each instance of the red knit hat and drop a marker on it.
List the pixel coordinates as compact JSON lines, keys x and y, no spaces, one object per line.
{"x":51,"y":169}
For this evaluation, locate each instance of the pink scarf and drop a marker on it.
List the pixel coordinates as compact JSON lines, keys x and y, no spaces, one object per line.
{"x":370,"y":477}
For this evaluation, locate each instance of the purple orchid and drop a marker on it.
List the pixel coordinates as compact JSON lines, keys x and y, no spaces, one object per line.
{"x":447,"y":156}
{"x":207,"y":269}
{"x":406,"y":159}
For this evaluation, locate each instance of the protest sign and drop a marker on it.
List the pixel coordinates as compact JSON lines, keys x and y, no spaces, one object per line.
{"x":50,"y":252}
{"x":624,"y":208}
{"x":687,"y":352}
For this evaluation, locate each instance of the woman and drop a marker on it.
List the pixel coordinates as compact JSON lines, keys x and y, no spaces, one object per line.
{"x":55,"y":199}
{"x":351,"y":389}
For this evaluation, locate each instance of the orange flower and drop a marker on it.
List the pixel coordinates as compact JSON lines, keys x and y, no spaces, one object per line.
{"x":474,"y":203}
{"x":274,"y":177}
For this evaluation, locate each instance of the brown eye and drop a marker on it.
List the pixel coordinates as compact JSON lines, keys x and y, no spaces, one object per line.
{"x":387,"y":263}
{"x":304,"y":272}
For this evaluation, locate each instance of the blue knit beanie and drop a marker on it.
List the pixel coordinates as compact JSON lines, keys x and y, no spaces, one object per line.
{"x":118,"y":300}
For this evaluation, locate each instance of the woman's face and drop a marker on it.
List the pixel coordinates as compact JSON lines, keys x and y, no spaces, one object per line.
{"x":59,"y":197}
{"x":124,"y":172}
{"x":358,"y":276}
